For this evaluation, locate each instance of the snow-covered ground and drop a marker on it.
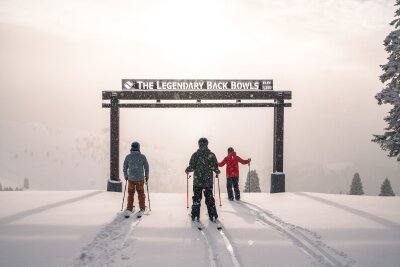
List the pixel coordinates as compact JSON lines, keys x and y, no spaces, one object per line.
{"x":85,"y":228}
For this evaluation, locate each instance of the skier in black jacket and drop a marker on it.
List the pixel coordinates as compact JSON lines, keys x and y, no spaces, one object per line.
{"x":203,"y":163}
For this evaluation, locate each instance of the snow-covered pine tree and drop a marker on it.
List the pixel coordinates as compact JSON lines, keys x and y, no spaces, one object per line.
{"x":386,"y":188}
{"x":356,"y":187}
{"x":254,"y":185}
{"x":390,"y":94}
{"x":26,"y":183}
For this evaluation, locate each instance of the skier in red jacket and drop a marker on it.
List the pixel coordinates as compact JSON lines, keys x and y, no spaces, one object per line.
{"x":232,"y":172}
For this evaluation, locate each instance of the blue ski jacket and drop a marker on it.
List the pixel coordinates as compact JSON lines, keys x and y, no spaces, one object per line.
{"x":136,"y":166}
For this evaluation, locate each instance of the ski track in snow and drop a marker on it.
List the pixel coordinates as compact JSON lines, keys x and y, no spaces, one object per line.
{"x":230,"y":248}
{"x":110,"y":245}
{"x":211,"y":243}
{"x":307,"y":241}
{"x":212,"y":256}
{"x":112,"y":240}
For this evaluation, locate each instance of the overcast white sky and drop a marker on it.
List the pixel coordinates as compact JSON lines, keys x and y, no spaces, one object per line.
{"x":57,"y":57}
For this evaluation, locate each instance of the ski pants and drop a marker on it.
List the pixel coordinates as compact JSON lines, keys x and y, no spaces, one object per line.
{"x":233,"y":181}
{"x":210,"y":202}
{"x":139,"y":187}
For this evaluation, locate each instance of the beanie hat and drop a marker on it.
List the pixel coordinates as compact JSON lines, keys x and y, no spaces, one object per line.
{"x":230,"y":150}
{"x":203,"y":142}
{"x":135,"y":146}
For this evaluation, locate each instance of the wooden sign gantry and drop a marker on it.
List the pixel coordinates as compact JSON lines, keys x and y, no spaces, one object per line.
{"x":193,"y":99}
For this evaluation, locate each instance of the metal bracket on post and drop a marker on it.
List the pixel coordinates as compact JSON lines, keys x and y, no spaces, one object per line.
{"x":277,"y":182}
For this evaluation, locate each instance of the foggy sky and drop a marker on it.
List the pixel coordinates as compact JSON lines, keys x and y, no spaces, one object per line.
{"x":58,"y":56}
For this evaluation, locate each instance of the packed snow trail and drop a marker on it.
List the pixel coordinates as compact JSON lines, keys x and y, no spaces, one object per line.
{"x":79,"y":233}
{"x":177,"y":242}
{"x":108,"y":242}
{"x":166,"y":238}
{"x":307,"y":241}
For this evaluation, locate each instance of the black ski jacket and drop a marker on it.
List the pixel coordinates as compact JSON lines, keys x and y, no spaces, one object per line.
{"x":203,"y":162}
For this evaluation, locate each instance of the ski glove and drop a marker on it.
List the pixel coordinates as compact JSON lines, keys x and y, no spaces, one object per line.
{"x":146,"y":178}
{"x":126,"y":178}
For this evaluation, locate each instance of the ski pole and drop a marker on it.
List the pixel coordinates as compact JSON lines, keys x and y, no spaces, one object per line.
{"x":187,"y":190}
{"x":214,"y":188}
{"x":148,"y":195}
{"x":219,"y":193}
{"x":249,"y":179}
{"x":122,"y":207}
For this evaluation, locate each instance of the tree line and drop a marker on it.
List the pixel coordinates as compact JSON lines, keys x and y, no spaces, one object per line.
{"x":356,"y":187}
{"x":9,"y":188}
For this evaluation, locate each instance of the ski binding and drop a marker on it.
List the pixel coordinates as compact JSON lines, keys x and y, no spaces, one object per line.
{"x":199,"y":225}
{"x":218,"y":224}
{"x":140,"y":213}
{"x":127,"y":214}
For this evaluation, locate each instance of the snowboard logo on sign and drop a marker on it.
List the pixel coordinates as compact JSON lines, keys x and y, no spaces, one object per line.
{"x":129,"y":84}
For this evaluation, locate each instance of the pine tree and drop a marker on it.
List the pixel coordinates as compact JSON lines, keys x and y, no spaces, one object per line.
{"x":386,"y":188}
{"x":254,"y":185}
{"x":1,"y":187}
{"x":390,"y":94}
{"x":356,"y":187}
{"x":26,"y":183}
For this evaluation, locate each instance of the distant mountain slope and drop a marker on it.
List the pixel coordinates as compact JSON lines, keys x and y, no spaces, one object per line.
{"x":52,"y":158}
{"x":68,"y":159}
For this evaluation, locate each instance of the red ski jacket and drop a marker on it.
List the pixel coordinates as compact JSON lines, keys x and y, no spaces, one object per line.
{"x":232,"y":164}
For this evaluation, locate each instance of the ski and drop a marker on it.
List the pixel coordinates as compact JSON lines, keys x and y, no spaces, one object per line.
{"x":217,"y":223}
{"x":198,"y":225}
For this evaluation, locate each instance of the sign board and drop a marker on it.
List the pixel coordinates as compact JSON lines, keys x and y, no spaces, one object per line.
{"x":147,"y":84}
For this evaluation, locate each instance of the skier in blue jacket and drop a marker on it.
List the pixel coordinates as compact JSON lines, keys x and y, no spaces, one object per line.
{"x":136,"y":172}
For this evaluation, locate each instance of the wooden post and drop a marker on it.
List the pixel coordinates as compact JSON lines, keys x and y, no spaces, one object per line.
{"x":278,"y":177}
{"x":114,"y":184}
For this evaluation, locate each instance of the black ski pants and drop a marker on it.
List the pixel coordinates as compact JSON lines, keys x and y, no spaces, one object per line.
{"x":210,"y":202}
{"x":233,"y":182}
